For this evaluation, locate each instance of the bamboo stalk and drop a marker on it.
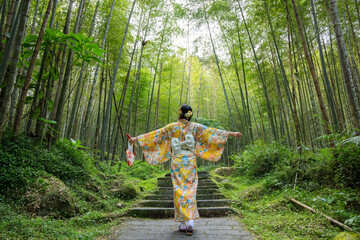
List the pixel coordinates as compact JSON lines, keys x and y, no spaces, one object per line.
{"x":327,"y":217}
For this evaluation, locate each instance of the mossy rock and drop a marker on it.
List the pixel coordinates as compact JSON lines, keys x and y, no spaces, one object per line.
{"x":49,"y":196}
{"x":126,"y":191}
{"x":252,"y":193}
{"x":93,"y":184}
{"x":228,"y":186}
{"x":218,"y":178}
{"x":90,"y":197}
{"x":225,"y":171}
{"x":347,"y":236}
{"x":115,"y":184}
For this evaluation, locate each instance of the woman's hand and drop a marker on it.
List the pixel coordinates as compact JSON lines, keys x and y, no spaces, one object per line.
{"x":132,"y":140}
{"x":236,"y":134}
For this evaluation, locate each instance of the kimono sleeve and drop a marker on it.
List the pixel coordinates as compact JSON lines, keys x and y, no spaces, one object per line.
{"x":156,"y":145}
{"x":209,"y":142}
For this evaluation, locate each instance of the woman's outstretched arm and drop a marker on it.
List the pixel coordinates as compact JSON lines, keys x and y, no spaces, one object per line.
{"x":133,"y":140}
{"x":236,"y":134}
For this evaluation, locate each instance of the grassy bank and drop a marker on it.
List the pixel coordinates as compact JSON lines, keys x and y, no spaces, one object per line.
{"x":61,"y":193}
{"x":264,"y":181}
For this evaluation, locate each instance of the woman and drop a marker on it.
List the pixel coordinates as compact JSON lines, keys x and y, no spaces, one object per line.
{"x":187,"y":141}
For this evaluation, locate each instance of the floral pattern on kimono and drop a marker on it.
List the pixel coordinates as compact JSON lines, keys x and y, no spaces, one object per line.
{"x":209,"y":146}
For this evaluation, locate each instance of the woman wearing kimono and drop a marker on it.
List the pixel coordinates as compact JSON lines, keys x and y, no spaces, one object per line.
{"x":183,"y":141}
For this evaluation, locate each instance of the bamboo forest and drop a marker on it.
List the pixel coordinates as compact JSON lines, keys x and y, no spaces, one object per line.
{"x":78,"y":76}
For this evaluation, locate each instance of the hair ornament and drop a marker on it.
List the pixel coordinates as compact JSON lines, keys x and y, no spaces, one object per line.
{"x":180,"y":112}
{"x":188,"y":114}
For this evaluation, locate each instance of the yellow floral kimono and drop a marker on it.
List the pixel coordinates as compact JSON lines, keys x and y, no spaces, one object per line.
{"x":209,"y":146}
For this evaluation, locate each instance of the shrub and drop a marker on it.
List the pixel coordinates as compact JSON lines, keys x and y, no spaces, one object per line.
{"x":142,"y":170}
{"x":260,"y":158}
{"x":346,"y":165}
{"x":22,"y":159}
{"x":19,"y":163}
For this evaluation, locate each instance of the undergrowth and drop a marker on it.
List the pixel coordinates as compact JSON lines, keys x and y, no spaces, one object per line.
{"x":28,"y":168}
{"x":268,"y":175}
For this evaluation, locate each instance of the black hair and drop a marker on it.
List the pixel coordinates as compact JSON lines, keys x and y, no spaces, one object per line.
{"x":185,"y":109}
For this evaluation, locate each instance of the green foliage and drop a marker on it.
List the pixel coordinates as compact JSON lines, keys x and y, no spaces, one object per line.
{"x":15,"y":225}
{"x":260,"y":158}
{"x":346,"y":164}
{"x":310,"y":169}
{"x":210,"y":123}
{"x":27,"y":166}
{"x":141,"y":170}
{"x":82,"y":46}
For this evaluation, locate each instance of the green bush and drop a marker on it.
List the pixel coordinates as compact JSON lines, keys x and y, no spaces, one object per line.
{"x":260,"y":158}
{"x":22,"y":159}
{"x":282,"y":165}
{"x":346,"y":165}
{"x":142,"y":170}
{"x":308,"y":168}
{"x":19,"y":162}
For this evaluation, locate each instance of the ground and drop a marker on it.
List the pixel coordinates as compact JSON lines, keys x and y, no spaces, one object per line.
{"x":227,"y":228}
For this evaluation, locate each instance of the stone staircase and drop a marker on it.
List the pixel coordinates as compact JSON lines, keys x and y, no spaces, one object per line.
{"x":210,"y":202}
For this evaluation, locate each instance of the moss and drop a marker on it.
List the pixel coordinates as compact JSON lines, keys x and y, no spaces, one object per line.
{"x":225,"y":171}
{"x":49,"y":196}
{"x":347,"y":236}
{"x":126,"y":191}
{"x":90,"y":197}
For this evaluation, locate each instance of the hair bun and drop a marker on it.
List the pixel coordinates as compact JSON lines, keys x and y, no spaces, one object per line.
{"x":185,"y":112}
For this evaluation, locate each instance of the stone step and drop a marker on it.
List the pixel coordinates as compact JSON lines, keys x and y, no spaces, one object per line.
{"x":168,"y":178}
{"x":199,"y":191}
{"x":200,"y":184}
{"x":199,"y":173}
{"x":198,"y":197}
{"x":204,"y":180}
{"x":199,"y":180}
{"x":200,"y":203}
{"x":169,"y":212}
{"x":199,"y":187}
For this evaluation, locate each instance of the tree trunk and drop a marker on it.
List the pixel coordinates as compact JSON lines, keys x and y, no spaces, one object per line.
{"x":352,"y":29}
{"x":9,"y":45}
{"x":40,"y":76}
{"x":188,"y":96}
{"x":67,"y":75}
{"x":336,"y":102}
{"x":20,"y":109}
{"x":99,"y":111}
{"x":34,"y":17}
{"x":89,"y":106}
{"x":269,"y":109}
{"x":199,"y":94}
{"x":63,"y":61}
{"x":10,"y":80}
{"x":245,"y":84}
{"x":218,"y":66}
{"x":169,"y":101}
{"x":295,"y":115}
{"x":9,"y":18}
{"x":70,"y":129}
{"x":326,"y":78}
{"x":156,"y":66}
{"x":119,"y":111}
{"x":344,"y":62}
{"x":158,"y":100}
{"x":312,"y":70}
{"x":2,"y":20}
{"x":111,"y":90}
{"x":183,"y":80}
